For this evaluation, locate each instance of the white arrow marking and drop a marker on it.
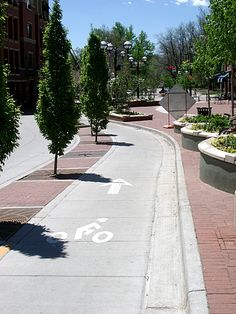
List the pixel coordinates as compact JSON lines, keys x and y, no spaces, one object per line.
{"x":116,"y":185}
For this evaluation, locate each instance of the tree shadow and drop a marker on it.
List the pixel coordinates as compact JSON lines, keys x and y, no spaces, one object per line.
{"x":93,"y":177}
{"x":106,"y":134}
{"x":115,"y":144}
{"x":68,"y":176}
{"x":33,"y":240}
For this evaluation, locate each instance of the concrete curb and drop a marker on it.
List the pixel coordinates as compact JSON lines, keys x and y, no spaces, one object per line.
{"x":195,"y":294}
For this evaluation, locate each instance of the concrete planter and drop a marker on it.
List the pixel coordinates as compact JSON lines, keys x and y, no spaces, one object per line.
{"x":217,"y":168}
{"x":191,"y":138}
{"x":127,"y":117}
{"x":178,"y":125}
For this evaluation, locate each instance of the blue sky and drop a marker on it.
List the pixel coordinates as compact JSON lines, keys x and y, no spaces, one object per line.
{"x":152,"y":16}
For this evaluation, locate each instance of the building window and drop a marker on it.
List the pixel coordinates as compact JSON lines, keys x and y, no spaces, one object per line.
{"x":16,"y":61}
{"x":5,"y":56}
{"x":29,"y":4}
{"x":29,"y":31}
{"x":41,"y":37}
{"x":10,"y":27}
{"x":30,"y":60}
{"x":15,"y":29}
{"x":11,"y":60}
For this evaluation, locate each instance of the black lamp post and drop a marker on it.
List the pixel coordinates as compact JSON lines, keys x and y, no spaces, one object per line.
{"x":137,"y":65}
{"x":110,"y":48}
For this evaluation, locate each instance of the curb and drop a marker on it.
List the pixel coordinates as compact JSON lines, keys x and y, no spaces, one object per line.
{"x":195,"y":292}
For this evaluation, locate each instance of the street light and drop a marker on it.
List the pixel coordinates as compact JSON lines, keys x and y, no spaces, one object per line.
{"x":137,"y":65}
{"x":110,"y":48}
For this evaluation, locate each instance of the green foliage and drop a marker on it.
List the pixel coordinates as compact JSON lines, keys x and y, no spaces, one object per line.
{"x":214,"y":123}
{"x":94,"y":80}
{"x":220,"y":29}
{"x":225,"y":143}
{"x":9,"y":112}
{"x":142,"y":46}
{"x":117,"y":35}
{"x":57,"y":114}
{"x":119,"y":87}
{"x":185,"y":78}
{"x":194,"y":119}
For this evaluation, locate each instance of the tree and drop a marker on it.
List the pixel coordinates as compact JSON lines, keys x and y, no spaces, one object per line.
{"x":9,"y":112}
{"x":220,"y":29}
{"x":204,"y":66}
{"x":176,"y":46}
{"x":95,"y":97}
{"x":57,"y":114}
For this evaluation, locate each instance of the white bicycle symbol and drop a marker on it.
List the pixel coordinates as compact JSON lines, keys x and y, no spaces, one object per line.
{"x":99,"y":237}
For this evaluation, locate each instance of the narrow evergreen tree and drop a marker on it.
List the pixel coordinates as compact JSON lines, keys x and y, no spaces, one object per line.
{"x":57,"y":114}
{"x":9,"y":112}
{"x":94,"y":90}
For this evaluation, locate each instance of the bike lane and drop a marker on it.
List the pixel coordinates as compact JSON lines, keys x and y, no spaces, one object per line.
{"x":89,"y":249}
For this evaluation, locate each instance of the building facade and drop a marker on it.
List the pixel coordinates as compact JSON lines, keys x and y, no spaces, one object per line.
{"x":23,"y":48}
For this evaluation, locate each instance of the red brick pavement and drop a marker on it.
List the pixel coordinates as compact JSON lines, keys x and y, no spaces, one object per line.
{"x":212,"y":212}
{"x":40,"y":187}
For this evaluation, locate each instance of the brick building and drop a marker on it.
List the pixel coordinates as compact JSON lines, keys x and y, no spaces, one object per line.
{"x":23,"y":48}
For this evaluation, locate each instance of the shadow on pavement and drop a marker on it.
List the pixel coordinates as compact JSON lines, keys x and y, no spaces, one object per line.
{"x":107,"y":134}
{"x":36,"y":240}
{"x":115,"y":143}
{"x":93,"y":177}
{"x":67,"y":176}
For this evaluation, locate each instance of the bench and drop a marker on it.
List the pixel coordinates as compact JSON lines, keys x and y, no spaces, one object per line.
{"x":204,"y":111}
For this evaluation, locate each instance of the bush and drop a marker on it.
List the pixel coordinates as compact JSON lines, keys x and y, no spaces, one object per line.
{"x":225,"y":143}
{"x":214,"y":123}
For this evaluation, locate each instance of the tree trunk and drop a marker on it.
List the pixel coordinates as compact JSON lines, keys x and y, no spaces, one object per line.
{"x":232,"y":89}
{"x":55,"y":164}
{"x":96,"y":137}
{"x":208,"y":98}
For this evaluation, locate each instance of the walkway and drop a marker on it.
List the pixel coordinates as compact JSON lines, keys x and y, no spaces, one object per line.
{"x":213,"y":218}
{"x":212,"y":209}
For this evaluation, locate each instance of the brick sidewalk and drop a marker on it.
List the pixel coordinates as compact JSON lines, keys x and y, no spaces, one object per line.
{"x":212,"y":212}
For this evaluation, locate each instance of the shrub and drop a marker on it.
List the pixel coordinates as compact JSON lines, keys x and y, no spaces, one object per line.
{"x":225,"y":143}
{"x":214,"y":123}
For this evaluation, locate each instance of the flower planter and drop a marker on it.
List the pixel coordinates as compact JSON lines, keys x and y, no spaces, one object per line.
{"x":191,"y":138}
{"x":178,"y":124}
{"x":127,"y":117}
{"x":217,"y":168}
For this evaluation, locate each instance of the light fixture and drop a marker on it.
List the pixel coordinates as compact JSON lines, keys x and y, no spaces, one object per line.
{"x":127,"y":45}
{"x":103,"y":44}
{"x":109,"y":47}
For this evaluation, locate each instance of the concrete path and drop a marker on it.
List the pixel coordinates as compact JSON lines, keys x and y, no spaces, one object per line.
{"x":105,"y":222}
{"x":31,"y":153}
{"x":213,"y":217}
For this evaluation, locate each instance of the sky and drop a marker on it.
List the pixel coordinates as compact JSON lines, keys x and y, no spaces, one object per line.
{"x":151,"y":16}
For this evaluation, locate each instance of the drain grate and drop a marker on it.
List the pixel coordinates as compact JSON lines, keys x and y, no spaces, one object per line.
{"x":12,"y":219}
{"x":17,"y":215}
